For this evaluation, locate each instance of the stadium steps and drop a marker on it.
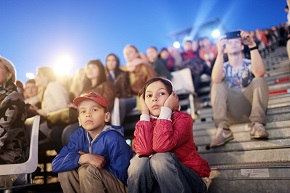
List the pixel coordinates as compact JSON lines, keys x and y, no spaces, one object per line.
{"x":244,"y":164}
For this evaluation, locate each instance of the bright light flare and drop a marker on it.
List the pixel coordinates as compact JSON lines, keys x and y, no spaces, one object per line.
{"x":30,"y":75}
{"x":215,"y":33}
{"x":176,"y":45}
{"x":63,"y":65}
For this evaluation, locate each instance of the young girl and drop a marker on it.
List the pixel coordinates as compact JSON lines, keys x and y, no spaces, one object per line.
{"x":166,"y":159}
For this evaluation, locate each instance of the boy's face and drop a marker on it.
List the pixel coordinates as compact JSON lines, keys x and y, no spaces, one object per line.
{"x":92,"y":116}
{"x":234,"y":46}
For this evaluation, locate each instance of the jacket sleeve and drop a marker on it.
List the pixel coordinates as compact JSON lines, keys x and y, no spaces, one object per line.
{"x":120,"y":154}
{"x":169,"y":134}
{"x":68,"y":157}
{"x":55,"y":98}
{"x":143,"y":136}
{"x":12,"y":116}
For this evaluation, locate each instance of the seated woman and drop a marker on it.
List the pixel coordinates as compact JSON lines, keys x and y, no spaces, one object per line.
{"x":139,"y":71}
{"x":13,"y":137}
{"x":53,"y":98}
{"x":119,"y":77}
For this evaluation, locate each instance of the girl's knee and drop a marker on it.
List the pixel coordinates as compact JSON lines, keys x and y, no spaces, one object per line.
{"x":138,"y":164}
{"x":161,"y":160}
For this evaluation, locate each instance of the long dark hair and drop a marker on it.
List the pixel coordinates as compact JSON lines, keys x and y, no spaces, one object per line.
{"x":117,"y":70}
{"x":102,"y":75}
{"x":167,"y":83}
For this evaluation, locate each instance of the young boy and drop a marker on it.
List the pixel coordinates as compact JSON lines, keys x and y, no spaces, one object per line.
{"x":97,"y":157}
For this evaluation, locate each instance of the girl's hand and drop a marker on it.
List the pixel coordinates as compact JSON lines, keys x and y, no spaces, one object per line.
{"x":143,"y":107}
{"x":172,"y":102}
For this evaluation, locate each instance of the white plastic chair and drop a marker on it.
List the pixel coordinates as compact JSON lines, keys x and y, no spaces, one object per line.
{"x":183,"y":85}
{"x":30,"y":165}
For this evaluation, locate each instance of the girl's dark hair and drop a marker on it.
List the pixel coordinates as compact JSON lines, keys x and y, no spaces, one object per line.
{"x":166,"y":82}
{"x":102,"y":75}
{"x":117,"y":69}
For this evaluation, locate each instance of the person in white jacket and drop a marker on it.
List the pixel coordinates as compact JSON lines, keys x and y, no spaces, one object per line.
{"x":53,"y":97}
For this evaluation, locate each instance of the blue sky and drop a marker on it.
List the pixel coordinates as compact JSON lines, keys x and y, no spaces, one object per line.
{"x":38,"y":33}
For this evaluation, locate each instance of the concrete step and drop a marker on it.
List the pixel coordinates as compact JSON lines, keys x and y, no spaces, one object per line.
{"x":208,"y":112}
{"x":280,"y":86}
{"x":271,"y":117}
{"x":200,"y":130}
{"x":243,"y":156}
{"x":252,"y":179}
{"x":274,"y":134}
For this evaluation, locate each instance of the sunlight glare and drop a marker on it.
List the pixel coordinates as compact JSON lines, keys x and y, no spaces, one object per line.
{"x":176,"y":45}
{"x":30,"y":75}
{"x":63,"y":65}
{"x":215,"y":33}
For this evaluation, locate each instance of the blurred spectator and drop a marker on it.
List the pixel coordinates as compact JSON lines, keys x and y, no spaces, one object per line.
{"x":31,"y":97}
{"x":167,"y":59}
{"x":196,"y":65}
{"x":76,"y":86}
{"x":54,"y":97}
{"x":288,"y":27}
{"x":31,"y":92}
{"x":139,"y":72}
{"x":13,"y":138}
{"x":20,"y":87}
{"x":157,"y":64}
{"x":264,"y":43}
{"x":176,"y":54}
{"x":208,"y":52}
{"x":119,"y":77}
{"x":144,"y":57}
{"x":14,"y":141}
{"x":95,"y":80}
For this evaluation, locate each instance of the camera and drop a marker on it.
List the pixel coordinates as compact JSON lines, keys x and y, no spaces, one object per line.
{"x":233,"y":34}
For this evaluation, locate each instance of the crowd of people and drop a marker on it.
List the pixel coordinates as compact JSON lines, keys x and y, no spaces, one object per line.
{"x":236,"y":69}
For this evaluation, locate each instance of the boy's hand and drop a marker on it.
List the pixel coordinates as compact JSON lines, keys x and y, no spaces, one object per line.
{"x":143,"y":107}
{"x":172,"y":102}
{"x":96,"y":160}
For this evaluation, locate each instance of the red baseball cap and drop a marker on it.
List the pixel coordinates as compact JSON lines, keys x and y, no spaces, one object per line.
{"x":92,"y":96}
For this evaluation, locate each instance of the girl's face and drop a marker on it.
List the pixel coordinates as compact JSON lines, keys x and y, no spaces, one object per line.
{"x":155,"y":97}
{"x":3,"y":73}
{"x":130,"y":54}
{"x":92,"y":71}
{"x":111,"y":63}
